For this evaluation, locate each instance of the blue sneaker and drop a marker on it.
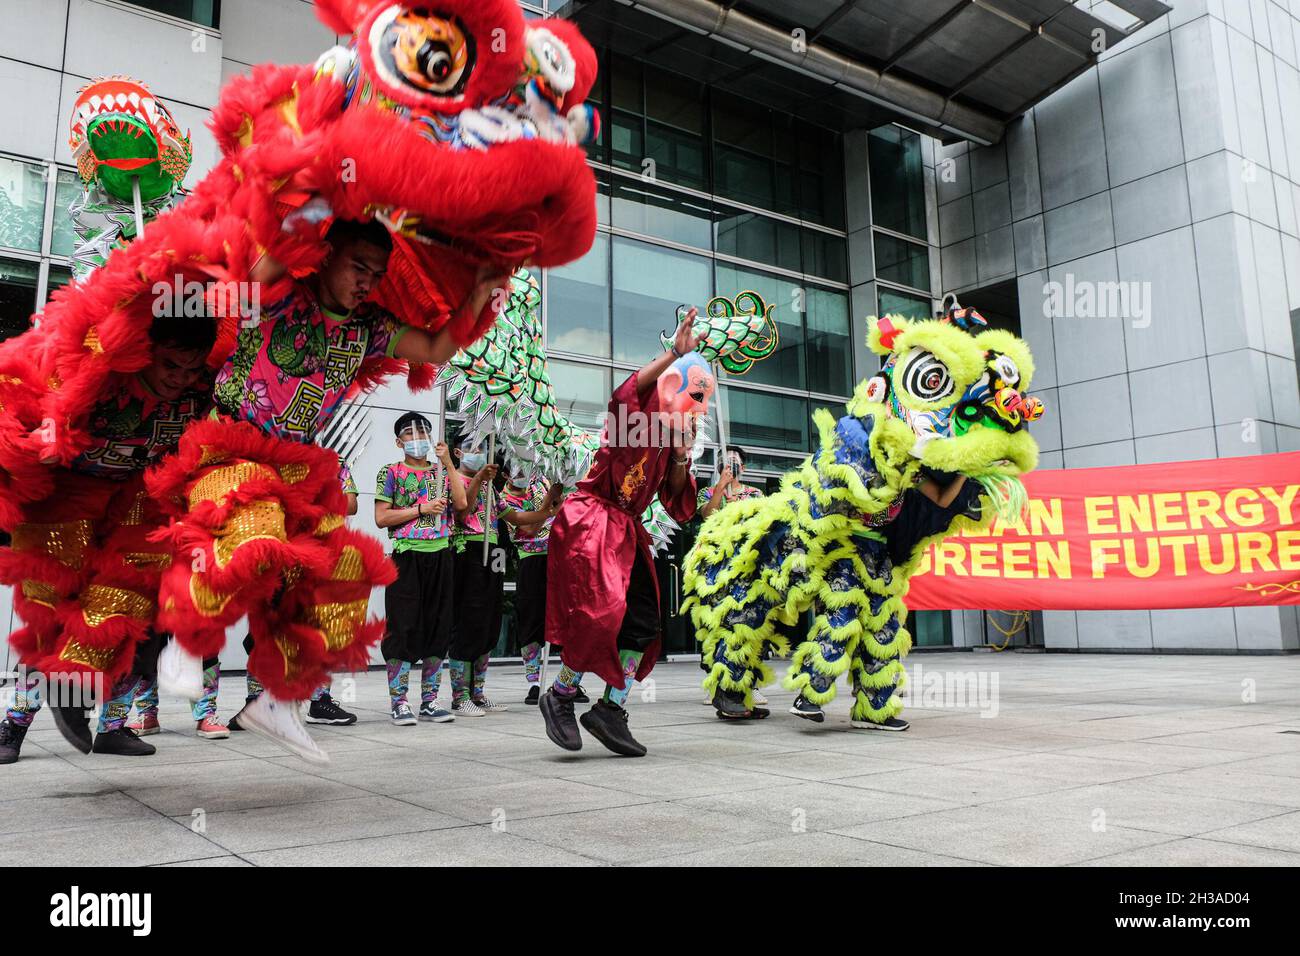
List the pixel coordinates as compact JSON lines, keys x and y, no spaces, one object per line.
{"x":431,"y":711}
{"x":402,"y":716}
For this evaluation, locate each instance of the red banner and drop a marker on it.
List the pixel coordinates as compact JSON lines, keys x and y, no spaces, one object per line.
{"x":1214,"y":533}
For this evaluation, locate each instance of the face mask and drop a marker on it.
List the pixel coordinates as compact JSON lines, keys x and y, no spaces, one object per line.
{"x":473,"y":462}
{"x":419,"y":448}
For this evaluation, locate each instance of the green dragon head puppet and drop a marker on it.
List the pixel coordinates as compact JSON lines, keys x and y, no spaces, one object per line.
{"x":119,"y":133}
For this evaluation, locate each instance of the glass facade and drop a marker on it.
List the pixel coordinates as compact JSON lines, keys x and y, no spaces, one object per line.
{"x":704,"y":193}
{"x":203,"y":12}
{"x":898,"y":223}
{"x":35,"y":237}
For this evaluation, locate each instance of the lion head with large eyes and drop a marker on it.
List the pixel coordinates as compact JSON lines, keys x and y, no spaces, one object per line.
{"x":457,"y":125}
{"x":956,"y":401}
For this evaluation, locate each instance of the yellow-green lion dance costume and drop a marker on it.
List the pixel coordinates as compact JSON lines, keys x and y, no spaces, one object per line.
{"x":949,"y":399}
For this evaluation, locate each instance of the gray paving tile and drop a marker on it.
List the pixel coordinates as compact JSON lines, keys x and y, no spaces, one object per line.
{"x":666,"y":780}
{"x":1197,"y":852}
{"x":817,"y":806}
{"x":638,"y":833}
{"x":1142,"y":806}
{"x":119,"y":843}
{"x":1281,"y":832}
{"x":1228,"y":781}
{"x":495,"y":803}
{"x":809,"y":849}
{"x":1158,"y":752}
{"x":215,"y":861}
{"x":275,"y":788}
{"x":278,"y":827}
{"x":815,"y":764}
{"x":467,"y":846}
{"x":30,"y":815}
{"x":962,"y":785}
{"x":991,"y":835}
{"x":1069,"y":768}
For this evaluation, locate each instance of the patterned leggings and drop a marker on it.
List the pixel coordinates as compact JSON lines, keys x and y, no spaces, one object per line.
{"x":206,"y":706}
{"x":113,"y":714}
{"x":399,"y":678}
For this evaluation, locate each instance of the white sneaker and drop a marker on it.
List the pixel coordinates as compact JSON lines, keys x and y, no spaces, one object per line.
{"x":280,"y":722}
{"x":180,"y":673}
{"x":490,"y":707}
{"x":759,"y":699}
{"x":467,"y":708}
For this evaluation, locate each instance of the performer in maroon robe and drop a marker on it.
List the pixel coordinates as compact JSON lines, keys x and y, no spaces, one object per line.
{"x":602,"y":602}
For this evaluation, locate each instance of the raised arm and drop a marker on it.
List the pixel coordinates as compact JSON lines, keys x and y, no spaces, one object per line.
{"x":684,"y":341}
{"x":420,"y":346}
{"x":455,"y":483}
{"x":942,"y":496}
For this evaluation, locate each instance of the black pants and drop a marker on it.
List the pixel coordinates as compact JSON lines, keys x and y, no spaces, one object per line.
{"x":419,"y":606}
{"x":477,"y":624}
{"x":145,"y":663}
{"x":641,"y":624}
{"x":530,"y":600}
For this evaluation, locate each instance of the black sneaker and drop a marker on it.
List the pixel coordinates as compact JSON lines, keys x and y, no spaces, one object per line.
{"x":803,"y":707}
{"x":730,"y":705}
{"x":11,"y":741}
{"x":581,"y":696}
{"x":123,"y":743}
{"x":608,"y":723}
{"x":74,"y":724}
{"x":233,"y":723}
{"x":323,"y":710}
{"x":561,"y":727}
{"x":893,"y":723}
{"x":534,"y":695}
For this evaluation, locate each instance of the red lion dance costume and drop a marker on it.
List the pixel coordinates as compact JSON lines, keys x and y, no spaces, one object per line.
{"x":461,"y":132}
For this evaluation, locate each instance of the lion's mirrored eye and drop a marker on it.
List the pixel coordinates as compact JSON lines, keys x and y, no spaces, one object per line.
{"x":434,"y":61}
{"x":925,"y":377}
{"x":1006,"y":370}
{"x":422,"y":50}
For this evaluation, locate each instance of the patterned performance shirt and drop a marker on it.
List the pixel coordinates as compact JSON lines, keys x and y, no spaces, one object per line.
{"x":402,"y":486}
{"x":470,"y":528}
{"x":133,"y":428}
{"x":289,"y":372}
{"x":345,"y":478}
{"x":746,"y":491}
{"x":528,"y":541}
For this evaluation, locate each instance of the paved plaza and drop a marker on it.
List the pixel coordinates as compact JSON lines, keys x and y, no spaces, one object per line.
{"x":1090,"y":760}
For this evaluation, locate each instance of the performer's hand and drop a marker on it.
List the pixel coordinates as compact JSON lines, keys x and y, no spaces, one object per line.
{"x":686,"y":340}
{"x":686,"y":438}
{"x":555,"y":495}
{"x":486,"y":473}
{"x":487,"y":283}
{"x":437,"y":506}
{"x":443,"y":454}
{"x":725,"y":479}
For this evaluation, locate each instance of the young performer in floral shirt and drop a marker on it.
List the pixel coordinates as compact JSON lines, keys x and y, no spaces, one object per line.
{"x":414,"y":499}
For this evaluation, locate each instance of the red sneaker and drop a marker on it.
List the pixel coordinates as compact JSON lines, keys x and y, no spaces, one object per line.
{"x":212,"y":729}
{"x":144,"y":725}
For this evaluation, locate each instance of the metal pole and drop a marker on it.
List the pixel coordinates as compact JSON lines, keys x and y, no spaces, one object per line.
{"x":139,"y":206}
{"x":722,"y":419}
{"x":546,"y":660}
{"x":487,"y":506}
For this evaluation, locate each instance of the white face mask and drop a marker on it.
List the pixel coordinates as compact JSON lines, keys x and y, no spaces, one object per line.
{"x":473,"y":462}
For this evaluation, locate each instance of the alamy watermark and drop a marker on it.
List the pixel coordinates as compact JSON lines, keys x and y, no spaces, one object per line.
{"x":28,"y":690}
{"x":1088,"y":299}
{"x":189,"y":298}
{"x":948,"y":690}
